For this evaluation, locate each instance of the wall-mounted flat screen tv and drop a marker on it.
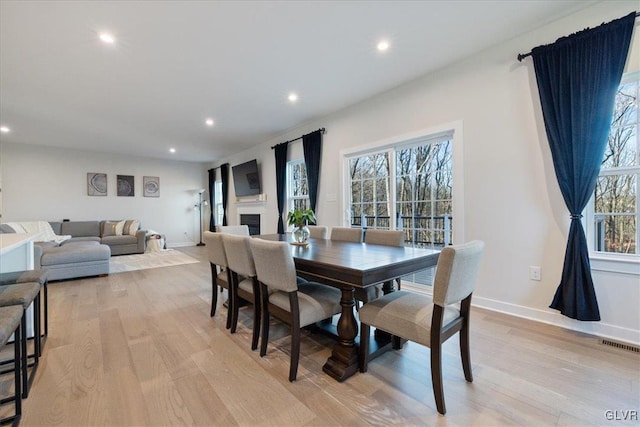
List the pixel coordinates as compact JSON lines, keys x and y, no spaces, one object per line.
{"x":246,"y":179}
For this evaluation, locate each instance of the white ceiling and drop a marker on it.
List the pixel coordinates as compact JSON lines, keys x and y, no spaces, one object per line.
{"x":175,"y":63}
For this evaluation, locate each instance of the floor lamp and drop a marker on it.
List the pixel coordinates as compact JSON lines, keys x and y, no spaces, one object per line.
{"x":202,"y":202}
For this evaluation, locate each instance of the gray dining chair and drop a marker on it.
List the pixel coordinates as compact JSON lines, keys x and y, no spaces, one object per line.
{"x":244,"y":283}
{"x":318,"y":231}
{"x":379,"y":237}
{"x":220,"y":275}
{"x":346,"y":234}
{"x":240,"y":230}
{"x":430,"y":321}
{"x":282,"y":298}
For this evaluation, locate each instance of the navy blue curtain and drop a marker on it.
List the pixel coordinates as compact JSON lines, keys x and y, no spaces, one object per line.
{"x":224,"y":176}
{"x":212,"y":198}
{"x":312,"y":146}
{"x":281,"y":179}
{"x":578,"y":77}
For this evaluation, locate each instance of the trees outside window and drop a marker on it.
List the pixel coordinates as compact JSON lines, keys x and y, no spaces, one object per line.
{"x":407,"y":188}
{"x":297,"y":185}
{"x":616,"y":198}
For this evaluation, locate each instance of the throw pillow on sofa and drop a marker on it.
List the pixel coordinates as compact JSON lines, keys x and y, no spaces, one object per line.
{"x":131,"y":227}
{"x":111,"y":228}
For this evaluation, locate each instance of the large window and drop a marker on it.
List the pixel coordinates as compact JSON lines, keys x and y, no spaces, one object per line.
{"x":616,"y":198}
{"x":406,"y":188}
{"x":297,"y":186}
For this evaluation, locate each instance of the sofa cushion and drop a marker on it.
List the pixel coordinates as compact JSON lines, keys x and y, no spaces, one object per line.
{"x":46,"y":245}
{"x":80,"y":228}
{"x":74,"y":253}
{"x":119,"y":240}
{"x":81,"y":239}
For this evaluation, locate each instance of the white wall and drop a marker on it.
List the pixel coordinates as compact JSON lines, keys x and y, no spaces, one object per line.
{"x":44,"y":183}
{"x":511,"y":196}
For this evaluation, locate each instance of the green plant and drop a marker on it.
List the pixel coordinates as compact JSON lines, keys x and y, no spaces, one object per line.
{"x":300,"y":217}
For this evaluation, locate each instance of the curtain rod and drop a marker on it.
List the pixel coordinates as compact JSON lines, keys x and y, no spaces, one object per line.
{"x":323,"y":130}
{"x":521,"y":56}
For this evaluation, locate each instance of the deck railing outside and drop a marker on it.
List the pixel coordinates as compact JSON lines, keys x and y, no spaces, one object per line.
{"x":420,"y":231}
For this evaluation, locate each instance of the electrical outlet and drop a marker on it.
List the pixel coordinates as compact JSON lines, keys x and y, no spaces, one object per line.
{"x":535,"y":273}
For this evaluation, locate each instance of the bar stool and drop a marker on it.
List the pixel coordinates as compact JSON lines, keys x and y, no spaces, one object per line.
{"x":39,"y":275}
{"x":10,"y":319}
{"x":24,"y":294}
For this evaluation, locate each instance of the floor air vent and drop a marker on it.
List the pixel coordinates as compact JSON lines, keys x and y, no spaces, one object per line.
{"x":621,"y":346}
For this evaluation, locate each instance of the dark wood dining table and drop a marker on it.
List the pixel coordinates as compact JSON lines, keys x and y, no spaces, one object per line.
{"x":347,"y":265}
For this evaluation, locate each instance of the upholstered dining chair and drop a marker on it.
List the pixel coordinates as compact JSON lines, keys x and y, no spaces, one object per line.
{"x":318,"y":231}
{"x":244,"y":283}
{"x":220,"y":275}
{"x":240,"y":230}
{"x":281,"y":297}
{"x":346,"y":234}
{"x":379,"y":237}
{"x":430,"y":321}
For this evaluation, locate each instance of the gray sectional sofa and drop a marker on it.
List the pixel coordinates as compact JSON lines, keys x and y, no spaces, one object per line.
{"x":95,"y":231}
{"x":86,"y":253}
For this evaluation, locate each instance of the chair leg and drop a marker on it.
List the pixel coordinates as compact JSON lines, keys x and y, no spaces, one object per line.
{"x":46,"y":309}
{"x":16,"y":373}
{"x":214,"y":290}
{"x":231,"y":299}
{"x":37,"y":338}
{"x":257,"y":314}
{"x":465,"y":349}
{"x":465,"y":352}
{"x":399,"y":282}
{"x":295,"y":352}
{"x":236,"y":301}
{"x":25,"y":378}
{"x":365,"y":330}
{"x":264,"y":298}
{"x":436,"y":377}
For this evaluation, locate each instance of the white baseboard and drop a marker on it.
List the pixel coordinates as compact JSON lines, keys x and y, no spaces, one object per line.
{"x":180,"y":244}
{"x":600,"y":329}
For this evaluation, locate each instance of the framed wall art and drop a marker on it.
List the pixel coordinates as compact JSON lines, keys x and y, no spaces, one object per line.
{"x":96,"y":184}
{"x":151,"y":186}
{"x":125,"y":186}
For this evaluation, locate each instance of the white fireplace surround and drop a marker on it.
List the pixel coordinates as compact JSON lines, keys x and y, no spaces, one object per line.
{"x":251,"y":210}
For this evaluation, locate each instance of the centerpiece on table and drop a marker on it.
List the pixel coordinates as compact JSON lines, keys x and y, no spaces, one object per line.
{"x":299,"y":218}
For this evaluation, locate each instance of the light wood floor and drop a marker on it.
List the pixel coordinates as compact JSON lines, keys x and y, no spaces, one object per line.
{"x":139,"y":348}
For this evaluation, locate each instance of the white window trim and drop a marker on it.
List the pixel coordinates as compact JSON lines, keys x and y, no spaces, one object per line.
{"x":454,"y":128}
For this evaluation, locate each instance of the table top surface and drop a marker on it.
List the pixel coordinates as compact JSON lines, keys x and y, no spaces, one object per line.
{"x":356,"y":264}
{"x":11,"y":241}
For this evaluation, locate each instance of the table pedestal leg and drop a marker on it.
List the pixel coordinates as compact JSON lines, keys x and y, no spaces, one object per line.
{"x":343,"y":362}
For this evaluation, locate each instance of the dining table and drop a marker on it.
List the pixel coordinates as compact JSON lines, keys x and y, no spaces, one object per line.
{"x":347,"y":266}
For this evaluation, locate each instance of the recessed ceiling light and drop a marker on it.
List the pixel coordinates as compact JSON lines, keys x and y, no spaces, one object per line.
{"x":293,"y":97}
{"x":107,"y":38}
{"x":172,"y":150}
{"x":383,"y":45}
{"x":209,"y":122}
{"x":4,"y":129}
